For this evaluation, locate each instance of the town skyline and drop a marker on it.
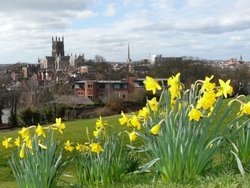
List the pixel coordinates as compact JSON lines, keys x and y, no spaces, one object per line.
{"x":198,"y":28}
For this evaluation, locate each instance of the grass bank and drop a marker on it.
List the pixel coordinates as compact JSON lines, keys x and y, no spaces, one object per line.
{"x":75,"y":131}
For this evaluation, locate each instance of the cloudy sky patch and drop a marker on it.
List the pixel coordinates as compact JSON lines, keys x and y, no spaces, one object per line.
{"x":204,"y":28}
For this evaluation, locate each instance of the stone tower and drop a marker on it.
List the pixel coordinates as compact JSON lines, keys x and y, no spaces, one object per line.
{"x":57,"y":47}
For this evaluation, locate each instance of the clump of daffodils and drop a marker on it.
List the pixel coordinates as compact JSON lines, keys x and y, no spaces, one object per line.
{"x":91,"y":146}
{"x":25,"y":140}
{"x":178,"y":130}
{"x":103,"y":159}
{"x":201,"y":108}
{"x":36,"y":159}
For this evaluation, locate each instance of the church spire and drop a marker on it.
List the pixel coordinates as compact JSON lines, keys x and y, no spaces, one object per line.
{"x":129,"y":58}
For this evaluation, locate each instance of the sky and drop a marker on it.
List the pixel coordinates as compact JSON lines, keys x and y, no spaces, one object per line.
{"x":209,"y":29}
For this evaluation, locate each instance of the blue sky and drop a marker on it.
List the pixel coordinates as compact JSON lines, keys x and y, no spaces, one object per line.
{"x":204,"y":28}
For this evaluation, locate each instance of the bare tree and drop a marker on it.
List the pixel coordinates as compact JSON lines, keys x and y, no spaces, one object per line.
{"x":99,"y":59}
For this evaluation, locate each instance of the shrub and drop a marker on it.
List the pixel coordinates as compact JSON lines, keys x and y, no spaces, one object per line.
{"x":30,"y":116}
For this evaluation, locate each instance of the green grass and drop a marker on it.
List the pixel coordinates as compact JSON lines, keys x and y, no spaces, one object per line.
{"x":76,"y":131}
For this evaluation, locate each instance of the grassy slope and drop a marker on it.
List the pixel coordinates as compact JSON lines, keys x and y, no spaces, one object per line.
{"x":76,"y":132}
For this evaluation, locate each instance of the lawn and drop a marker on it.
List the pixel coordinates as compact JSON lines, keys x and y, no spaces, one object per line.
{"x":75,"y":131}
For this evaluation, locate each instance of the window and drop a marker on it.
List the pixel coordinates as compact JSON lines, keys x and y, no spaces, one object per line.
{"x":101,"y":94}
{"x":117,"y":86}
{"x":90,"y":96}
{"x":124,"y":96}
{"x":101,"y":85}
{"x":90,"y":86}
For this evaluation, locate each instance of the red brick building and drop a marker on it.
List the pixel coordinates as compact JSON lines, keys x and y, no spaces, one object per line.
{"x":106,"y":89}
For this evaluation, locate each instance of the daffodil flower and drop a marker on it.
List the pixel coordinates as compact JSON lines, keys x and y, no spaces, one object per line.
{"x":153,"y":104}
{"x":155,"y":129}
{"x":135,"y":122}
{"x":97,"y":132}
{"x":132,"y":136}
{"x":245,"y":108}
{"x":195,"y":114}
{"x":100,"y":123}
{"x":68,"y":146}
{"x":82,"y":148}
{"x":96,"y":147}
{"x":225,"y":88}
{"x":24,"y":132}
{"x":207,"y":85}
{"x":58,"y":125}
{"x":174,"y":80}
{"x":40,"y":131}
{"x":29,"y":143}
{"x":18,"y":142}
{"x":151,"y":84}
{"x":7,"y":143}
{"x":174,"y":88}
{"x":22,"y":152}
{"x":144,"y":113}
{"x":207,"y":101}
{"x":124,"y":120}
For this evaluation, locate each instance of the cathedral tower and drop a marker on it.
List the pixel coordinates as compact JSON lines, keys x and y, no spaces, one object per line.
{"x":57,"y":47}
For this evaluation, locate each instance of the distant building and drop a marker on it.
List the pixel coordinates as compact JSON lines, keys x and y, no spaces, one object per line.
{"x":158,"y":59}
{"x":103,"y":89}
{"x":58,"y":61}
{"x":106,"y":89}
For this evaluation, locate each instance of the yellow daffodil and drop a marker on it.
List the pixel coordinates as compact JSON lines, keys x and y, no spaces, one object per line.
{"x":132,"y":136}
{"x":174,"y":80}
{"x":195,"y":114}
{"x":96,"y":148}
{"x":29,"y":143}
{"x":136,"y":122}
{"x":207,"y":101}
{"x":24,"y":132}
{"x":207,"y":85}
{"x":58,"y":125}
{"x":97,"y":132}
{"x":100,"y":123}
{"x":151,"y":84}
{"x":174,"y":88}
{"x":153,"y":104}
{"x":7,"y":143}
{"x":245,"y":108}
{"x":144,"y":113}
{"x":174,"y":91}
{"x":18,"y":142}
{"x":124,"y":120}
{"x":22,"y":152}
{"x":155,"y":129}
{"x":68,"y":146}
{"x":82,"y":148}
{"x":225,"y":88}
{"x":40,"y":131}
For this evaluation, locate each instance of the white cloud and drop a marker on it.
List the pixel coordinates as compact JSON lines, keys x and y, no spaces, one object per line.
{"x":86,"y":14}
{"x":210,"y":29}
{"x":110,"y":10}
